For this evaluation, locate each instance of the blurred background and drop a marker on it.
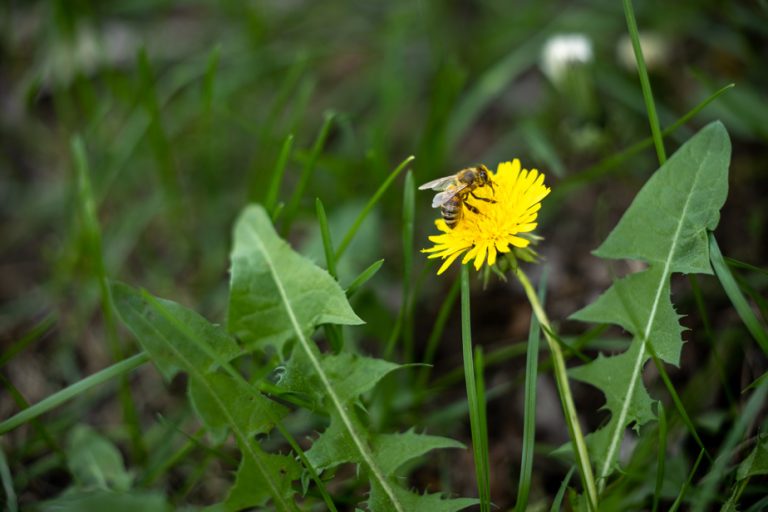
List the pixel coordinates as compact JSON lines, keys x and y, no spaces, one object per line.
{"x":183,"y":108}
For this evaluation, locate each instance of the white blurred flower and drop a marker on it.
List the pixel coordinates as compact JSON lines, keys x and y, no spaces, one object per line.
{"x":655,"y":51}
{"x":562,"y":51}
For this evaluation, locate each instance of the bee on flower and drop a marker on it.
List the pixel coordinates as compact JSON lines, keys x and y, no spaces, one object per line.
{"x":501,"y":217}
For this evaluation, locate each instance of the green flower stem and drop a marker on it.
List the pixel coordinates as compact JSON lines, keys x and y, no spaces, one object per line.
{"x":479,"y":434}
{"x":564,"y":389}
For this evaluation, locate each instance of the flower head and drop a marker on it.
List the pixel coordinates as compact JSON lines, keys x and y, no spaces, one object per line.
{"x":508,"y":221}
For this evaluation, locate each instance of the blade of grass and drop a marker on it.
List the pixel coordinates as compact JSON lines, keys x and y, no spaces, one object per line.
{"x":37,"y":331}
{"x":11,"y":504}
{"x":645,"y":82}
{"x":363,"y":278}
{"x":590,"y":174}
{"x":676,"y":398}
{"x":734,"y":294}
{"x":158,"y":137}
{"x":270,"y":201}
{"x":558,"y":501}
{"x":745,"y":417}
{"x":96,"y":252}
{"x":472,"y":393}
{"x":529,"y":411}
{"x":40,"y":427}
{"x":409,"y":206}
{"x":745,"y":266}
{"x":332,"y":332}
{"x":436,"y":333}
{"x":482,"y":420}
{"x":687,"y":484}
{"x":78,"y":388}
{"x":662,"y":452}
{"x":369,"y":206}
{"x":292,"y":206}
{"x":325,"y":233}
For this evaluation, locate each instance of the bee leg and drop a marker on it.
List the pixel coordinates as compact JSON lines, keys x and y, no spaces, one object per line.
{"x":471,"y":208}
{"x":482,"y":198}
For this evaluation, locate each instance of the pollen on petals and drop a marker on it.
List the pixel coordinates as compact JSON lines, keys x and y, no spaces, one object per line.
{"x":494,"y":228}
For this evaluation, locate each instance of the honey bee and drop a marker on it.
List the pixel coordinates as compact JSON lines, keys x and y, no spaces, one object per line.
{"x":454,"y":190}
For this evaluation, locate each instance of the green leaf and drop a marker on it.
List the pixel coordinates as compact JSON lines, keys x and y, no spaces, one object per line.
{"x":181,"y":339}
{"x":95,"y":463}
{"x":667,"y":222}
{"x":756,"y":462}
{"x":165,"y":333}
{"x":278,"y":295}
{"x":665,"y":226}
{"x":394,"y":450}
{"x":99,"y":501}
{"x":266,"y":273}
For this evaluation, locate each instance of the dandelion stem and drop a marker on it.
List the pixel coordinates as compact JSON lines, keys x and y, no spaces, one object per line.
{"x":564,"y":389}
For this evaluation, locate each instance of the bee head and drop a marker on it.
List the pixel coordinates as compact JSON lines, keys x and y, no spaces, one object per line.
{"x":484,"y":176}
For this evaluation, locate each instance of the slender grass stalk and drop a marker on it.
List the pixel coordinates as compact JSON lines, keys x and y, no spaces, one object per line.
{"x":332,"y":332}
{"x":475,"y":414}
{"x":158,"y":138}
{"x":306,"y":172}
{"x":558,"y":501}
{"x":676,"y":399}
{"x":369,"y":206}
{"x":11,"y":504}
{"x":96,"y":252}
{"x":35,"y":333}
{"x":566,"y":398}
{"x":745,"y":417}
{"x":645,"y":82}
{"x":482,"y":401}
{"x":39,"y":426}
{"x":363,"y":278}
{"x":529,"y":414}
{"x":734,"y":294}
{"x":437,"y":333}
{"x":662,"y":456}
{"x":325,"y":234}
{"x":409,"y":207}
{"x":270,"y":201}
{"x":687,"y":484}
{"x":78,"y":388}
{"x":614,"y":161}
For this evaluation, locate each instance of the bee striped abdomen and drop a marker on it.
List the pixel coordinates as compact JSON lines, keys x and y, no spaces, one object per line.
{"x":451,"y":211}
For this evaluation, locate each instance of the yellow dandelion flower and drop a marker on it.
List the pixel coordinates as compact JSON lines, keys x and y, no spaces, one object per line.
{"x":497,"y":225}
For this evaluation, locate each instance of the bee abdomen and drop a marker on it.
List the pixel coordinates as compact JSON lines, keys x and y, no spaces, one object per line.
{"x":451,"y":212}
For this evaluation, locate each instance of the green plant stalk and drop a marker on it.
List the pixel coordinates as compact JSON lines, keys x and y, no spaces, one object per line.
{"x":409,"y":207}
{"x":74,"y":390}
{"x":93,"y":237}
{"x":270,"y":201}
{"x":332,"y":332}
{"x":5,"y":475}
{"x":529,"y":415}
{"x":292,"y":207}
{"x":687,"y":484}
{"x":645,"y":82}
{"x":566,"y":397}
{"x":734,"y":294}
{"x":369,"y":206}
{"x":662,"y":456}
{"x":482,"y":400}
{"x":475,"y":416}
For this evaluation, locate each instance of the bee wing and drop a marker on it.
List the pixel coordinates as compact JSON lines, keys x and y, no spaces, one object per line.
{"x":439,"y":184}
{"x":443,"y":197}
